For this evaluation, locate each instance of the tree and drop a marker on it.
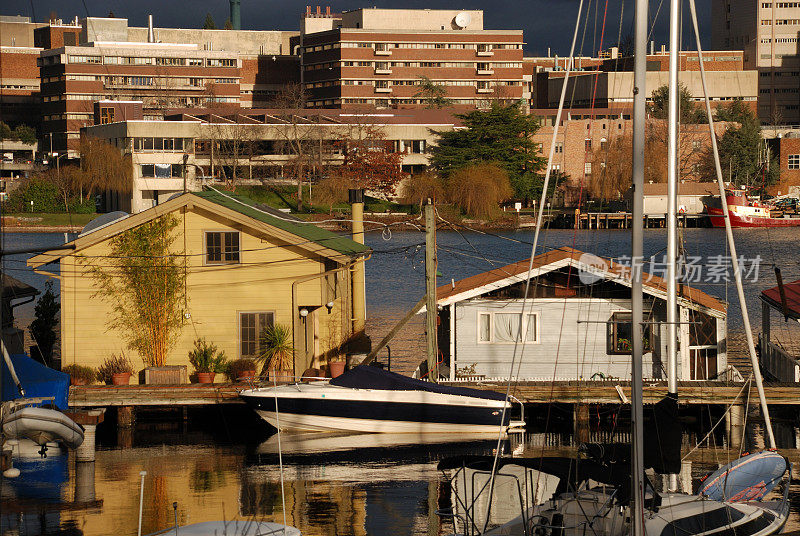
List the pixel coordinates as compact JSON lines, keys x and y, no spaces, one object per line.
{"x":233,"y":140}
{"x":370,"y":160}
{"x":144,"y":281}
{"x":105,"y":169}
{"x":43,"y":326}
{"x":432,"y":93}
{"x":21,"y":132}
{"x":209,"y":23}
{"x":228,"y":25}
{"x":500,"y":134}
{"x":688,"y":110}
{"x":478,"y":189}
{"x":742,"y":151}
{"x":422,"y":186}
{"x":298,"y":141}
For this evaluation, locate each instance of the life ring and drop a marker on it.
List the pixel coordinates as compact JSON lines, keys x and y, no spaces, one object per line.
{"x":682,"y":210}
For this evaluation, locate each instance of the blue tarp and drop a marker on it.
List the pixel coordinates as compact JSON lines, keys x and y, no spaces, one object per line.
{"x":37,"y":380}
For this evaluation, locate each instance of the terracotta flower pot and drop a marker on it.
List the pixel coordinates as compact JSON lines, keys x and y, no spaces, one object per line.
{"x":205,"y":377}
{"x":246,"y":376}
{"x":76,"y":381}
{"x":337,"y":368}
{"x":121,"y":378}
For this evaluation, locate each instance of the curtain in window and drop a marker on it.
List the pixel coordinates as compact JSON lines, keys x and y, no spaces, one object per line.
{"x":484,"y":328}
{"x":530,"y":329}
{"x":506,"y":327}
{"x":163,"y":171}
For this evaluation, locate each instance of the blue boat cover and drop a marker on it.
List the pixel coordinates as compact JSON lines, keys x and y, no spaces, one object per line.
{"x":369,"y":377}
{"x":747,"y":479}
{"x":37,"y":380}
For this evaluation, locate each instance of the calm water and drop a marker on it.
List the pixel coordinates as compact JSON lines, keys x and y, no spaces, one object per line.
{"x":224,"y":465}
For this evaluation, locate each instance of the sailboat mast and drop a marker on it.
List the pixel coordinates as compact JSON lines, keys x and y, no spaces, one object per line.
{"x":737,"y":274}
{"x":637,"y":247}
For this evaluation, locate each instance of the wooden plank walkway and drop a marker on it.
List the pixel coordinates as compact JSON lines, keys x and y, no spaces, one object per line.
{"x":569,"y":392}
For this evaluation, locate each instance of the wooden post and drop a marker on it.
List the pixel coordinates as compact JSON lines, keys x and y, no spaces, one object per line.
{"x":577,"y":218}
{"x":430,"y":290}
{"x":358,"y":278}
{"x":735,"y":425}
{"x":125,"y":417}
{"x":581,"y":422}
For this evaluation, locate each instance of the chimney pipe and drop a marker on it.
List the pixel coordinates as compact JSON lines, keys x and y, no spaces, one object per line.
{"x":236,"y":15}
{"x":151,"y":36}
{"x":652,"y":47}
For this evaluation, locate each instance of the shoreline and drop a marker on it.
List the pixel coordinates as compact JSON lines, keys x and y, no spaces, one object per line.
{"x":44,"y":229}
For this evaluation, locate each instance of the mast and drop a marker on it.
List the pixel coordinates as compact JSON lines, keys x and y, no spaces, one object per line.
{"x":637,"y":246}
{"x":737,"y":274}
{"x":672,"y":211}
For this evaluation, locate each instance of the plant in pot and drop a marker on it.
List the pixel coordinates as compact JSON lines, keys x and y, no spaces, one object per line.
{"x":79,"y":374}
{"x":241,"y":370}
{"x":115,"y":370}
{"x":277,"y":354}
{"x":207,"y":360}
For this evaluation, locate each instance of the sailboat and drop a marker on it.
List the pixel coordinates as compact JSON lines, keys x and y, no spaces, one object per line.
{"x":608,"y":493}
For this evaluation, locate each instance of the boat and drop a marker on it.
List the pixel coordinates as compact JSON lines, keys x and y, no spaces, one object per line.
{"x":42,"y":426}
{"x":746,"y":212}
{"x":367,"y":398}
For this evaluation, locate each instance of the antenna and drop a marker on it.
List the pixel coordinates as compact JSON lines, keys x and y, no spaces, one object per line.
{"x":462,"y":20}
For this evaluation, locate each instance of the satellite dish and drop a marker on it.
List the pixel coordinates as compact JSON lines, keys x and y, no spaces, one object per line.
{"x":103,"y":220}
{"x":463,"y":19}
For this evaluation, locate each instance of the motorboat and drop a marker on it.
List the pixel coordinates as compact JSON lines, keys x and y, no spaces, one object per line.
{"x":370,"y":399}
{"x":42,"y":426}
{"x":746,"y":212}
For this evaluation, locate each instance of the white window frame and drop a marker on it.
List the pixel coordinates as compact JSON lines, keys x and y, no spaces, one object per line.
{"x":490,"y":314}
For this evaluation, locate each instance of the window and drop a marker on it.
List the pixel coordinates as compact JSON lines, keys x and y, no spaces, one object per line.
{"x":794,"y":161}
{"x":559,"y":147}
{"x":504,"y":328}
{"x":620,"y":334}
{"x":251,"y":325}
{"x":587,"y":168}
{"x":222,"y":247}
{"x":106,"y":115}
{"x":587,"y":144}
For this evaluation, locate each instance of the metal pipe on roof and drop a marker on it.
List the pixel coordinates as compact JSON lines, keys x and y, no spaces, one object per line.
{"x":151,"y":36}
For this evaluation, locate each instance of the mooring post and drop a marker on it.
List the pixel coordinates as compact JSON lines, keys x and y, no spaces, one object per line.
{"x":735,"y":425}
{"x":581,"y":422}
{"x":84,"y":482}
{"x":125,"y":417}
{"x":85,"y":452}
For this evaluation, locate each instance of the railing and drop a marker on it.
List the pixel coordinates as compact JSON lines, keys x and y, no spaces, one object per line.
{"x":778,"y":363}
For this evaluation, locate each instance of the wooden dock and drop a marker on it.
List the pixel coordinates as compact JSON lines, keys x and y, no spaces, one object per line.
{"x":623,"y":220}
{"x":536,"y":392}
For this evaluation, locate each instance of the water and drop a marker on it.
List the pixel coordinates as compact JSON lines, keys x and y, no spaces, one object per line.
{"x":223,"y":464}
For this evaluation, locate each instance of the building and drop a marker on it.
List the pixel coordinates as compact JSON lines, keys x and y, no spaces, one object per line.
{"x":192,"y":146}
{"x":19,"y":75}
{"x":787,"y":149}
{"x":692,"y":197}
{"x":581,"y":305}
{"x":780,"y":352}
{"x":768,"y":33}
{"x":273,"y":269}
{"x":161,"y":75}
{"x":378,"y":57}
{"x":17,"y":160}
{"x":612,"y":86}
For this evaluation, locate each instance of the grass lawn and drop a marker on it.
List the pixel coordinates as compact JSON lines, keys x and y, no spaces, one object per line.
{"x":41,"y":219}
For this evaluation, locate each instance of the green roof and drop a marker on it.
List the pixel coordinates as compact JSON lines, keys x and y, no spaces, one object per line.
{"x":285,"y":222}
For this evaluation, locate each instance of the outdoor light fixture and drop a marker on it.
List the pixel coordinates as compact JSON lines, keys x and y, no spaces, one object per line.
{"x":329,"y":306}
{"x":303,"y":312}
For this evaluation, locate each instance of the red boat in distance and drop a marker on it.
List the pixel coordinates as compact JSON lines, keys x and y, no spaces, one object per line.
{"x":746,"y":212}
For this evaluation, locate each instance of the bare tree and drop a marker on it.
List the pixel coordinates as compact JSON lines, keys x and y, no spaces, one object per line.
{"x":297,"y":139}
{"x":104,"y":168}
{"x":232,"y":140}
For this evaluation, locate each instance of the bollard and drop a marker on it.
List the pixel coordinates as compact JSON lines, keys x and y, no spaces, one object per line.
{"x":735,"y":425}
{"x":85,"y":452}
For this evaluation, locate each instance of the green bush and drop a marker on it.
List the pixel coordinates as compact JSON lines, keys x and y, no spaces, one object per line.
{"x":44,"y":195}
{"x":80,"y":372}
{"x":207,"y":357}
{"x":82,"y":206}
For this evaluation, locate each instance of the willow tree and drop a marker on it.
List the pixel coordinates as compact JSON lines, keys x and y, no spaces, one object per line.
{"x":144,"y":282}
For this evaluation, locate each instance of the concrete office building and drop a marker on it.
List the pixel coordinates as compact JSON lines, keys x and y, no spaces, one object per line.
{"x":19,"y":76}
{"x":376,"y":57}
{"x":768,"y":32}
{"x":256,"y":142}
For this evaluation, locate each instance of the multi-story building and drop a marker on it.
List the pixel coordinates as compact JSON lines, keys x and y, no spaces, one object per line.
{"x":378,"y":57}
{"x":612,"y":86}
{"x":768,"y":32}
{"x":205,"y":145}
{"x":19,"y":76}
{"x":161,"y":75}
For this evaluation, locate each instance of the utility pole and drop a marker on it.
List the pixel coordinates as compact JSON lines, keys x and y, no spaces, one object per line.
{"x":430,"y":291}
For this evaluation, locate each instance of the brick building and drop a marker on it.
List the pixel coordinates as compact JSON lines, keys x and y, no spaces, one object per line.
{"x":377,"y":57}
{"x":787,"y":148}
{"x":19,"y":76}
{"x":768,"y":33}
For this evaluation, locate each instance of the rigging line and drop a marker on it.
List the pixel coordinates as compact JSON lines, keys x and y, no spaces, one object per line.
{"x":539,"y":218}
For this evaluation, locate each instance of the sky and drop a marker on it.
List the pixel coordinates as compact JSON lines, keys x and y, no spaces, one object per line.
{"x":546,"y":23}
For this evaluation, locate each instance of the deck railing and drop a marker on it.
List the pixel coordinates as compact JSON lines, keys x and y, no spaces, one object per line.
{"x":778,"y":363}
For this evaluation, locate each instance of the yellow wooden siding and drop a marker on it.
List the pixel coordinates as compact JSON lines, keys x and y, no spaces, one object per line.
{"x":217,"y":294}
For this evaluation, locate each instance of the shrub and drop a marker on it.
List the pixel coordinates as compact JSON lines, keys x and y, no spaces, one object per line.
{"x":207,"y":357}
{"x":278,"y":348}
{"x":116,"y":364}
{"x":239,"y":367}
{"x":332,"y":190}
{"x":479,"y":189}
{"x":43,"y":193}
{"x":80,"y":372}
{"x":418,"y":188}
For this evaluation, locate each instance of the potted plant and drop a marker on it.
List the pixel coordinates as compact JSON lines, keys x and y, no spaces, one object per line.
{"x":115,"y":370}
{"x":79,"y":374}
{"x":241,"y":370}
{"x":207,"y":360}
{"x":277,"y":355}
{"x":336,"y":366}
